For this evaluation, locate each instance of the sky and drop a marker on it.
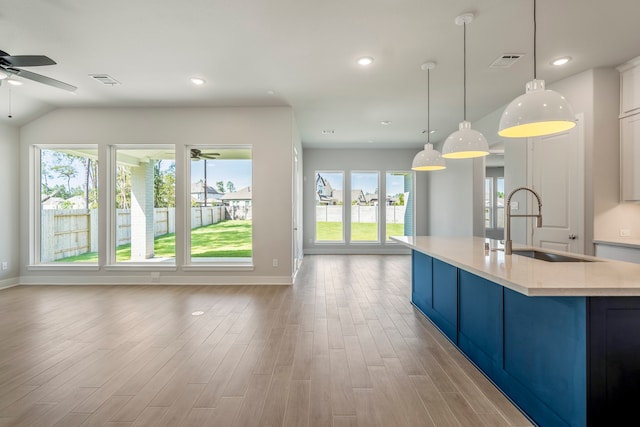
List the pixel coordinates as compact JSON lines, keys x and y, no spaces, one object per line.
{"x":237,"y":171}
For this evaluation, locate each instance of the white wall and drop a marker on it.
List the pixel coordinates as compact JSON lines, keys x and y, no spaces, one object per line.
{"x":359,"y":160}
{"x":9,"y":207}
{"x":456,"y":199}
{"x":269,"y":130}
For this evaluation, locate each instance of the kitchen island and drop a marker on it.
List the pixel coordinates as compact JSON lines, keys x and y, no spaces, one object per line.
{"x":560,"y":339}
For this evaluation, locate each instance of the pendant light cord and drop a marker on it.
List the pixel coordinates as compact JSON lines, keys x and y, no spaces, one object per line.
{"x":464,"y":67}
{"x":535,"y":34}
{"x":428,"y":107}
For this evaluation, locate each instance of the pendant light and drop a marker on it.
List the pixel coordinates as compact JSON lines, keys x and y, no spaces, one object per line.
{"x":465,"y":143}
{"x":428,"y":159}
{"x":539,"y":111}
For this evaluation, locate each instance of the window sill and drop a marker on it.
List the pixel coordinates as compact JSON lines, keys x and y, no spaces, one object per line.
{"x":140,"y":266}
{"x":64,"y":266}
{"x":241,"y":266}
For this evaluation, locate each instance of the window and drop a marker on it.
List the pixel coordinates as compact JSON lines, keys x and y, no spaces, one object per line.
{"x":221,"y":204}
{"x":364,"y":207}
{"x":329,"y":206}
{"x":144,"y":184}
{"x":68,"y":194}
{"x":494,"y":203}
{"x":399,"y":204}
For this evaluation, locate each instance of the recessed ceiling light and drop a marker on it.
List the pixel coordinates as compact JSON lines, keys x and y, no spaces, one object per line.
{"x":197,"y":81}
{"x":370,"y":141}
{"x":561,"y":61}
{"x":365,"y":60}
{"x":385,"y":123}
{"x":197,"y":313}
{"x":271,"y":92}
{"x":14,"y":82}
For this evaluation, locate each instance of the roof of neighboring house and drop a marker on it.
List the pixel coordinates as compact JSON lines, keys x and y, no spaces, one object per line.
{"x":198,"y":187}
{"x":242,"y":194}
{"x":355,"y":195}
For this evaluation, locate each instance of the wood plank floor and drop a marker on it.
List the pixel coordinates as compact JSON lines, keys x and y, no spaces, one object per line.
{"x":342,"y":347}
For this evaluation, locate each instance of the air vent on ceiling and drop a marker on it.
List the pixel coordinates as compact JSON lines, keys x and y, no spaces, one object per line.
{"x":506,"y":60}
{"x":105,"y":79}
{"x":328,"y":132}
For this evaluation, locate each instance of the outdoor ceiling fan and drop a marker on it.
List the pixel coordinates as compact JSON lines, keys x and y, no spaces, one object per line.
{"x":197,"y":154}
{"x":11,"y":66}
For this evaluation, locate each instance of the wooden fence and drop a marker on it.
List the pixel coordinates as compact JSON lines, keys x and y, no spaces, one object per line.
{"x":71,"y":232}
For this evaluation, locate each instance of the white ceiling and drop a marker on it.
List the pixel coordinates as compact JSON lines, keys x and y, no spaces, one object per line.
{"x":305,"y":51}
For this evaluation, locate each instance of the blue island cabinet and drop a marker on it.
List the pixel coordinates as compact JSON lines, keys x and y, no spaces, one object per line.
{"x":533,"y":348}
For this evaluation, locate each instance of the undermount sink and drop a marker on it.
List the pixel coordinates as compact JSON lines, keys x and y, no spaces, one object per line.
{"x":547,"y":256}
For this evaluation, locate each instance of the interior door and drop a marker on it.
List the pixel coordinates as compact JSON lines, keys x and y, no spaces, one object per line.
{"x":557,"y":173}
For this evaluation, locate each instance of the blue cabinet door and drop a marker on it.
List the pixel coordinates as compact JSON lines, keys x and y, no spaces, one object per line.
{"x":480,"y":321}
{"x":422,"y":283}
{"x":445,"y":298}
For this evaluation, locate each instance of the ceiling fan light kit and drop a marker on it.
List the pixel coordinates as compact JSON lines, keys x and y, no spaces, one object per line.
{"x":539,"y":111}
{"x":465,"y":143}
{"x":11,"y":65}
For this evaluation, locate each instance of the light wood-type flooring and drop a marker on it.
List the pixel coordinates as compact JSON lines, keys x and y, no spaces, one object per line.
{"x":342,"y":347}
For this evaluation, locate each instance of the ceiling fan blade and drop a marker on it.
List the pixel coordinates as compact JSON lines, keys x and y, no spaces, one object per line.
{"x":26,"y":60}
{"x":42,"y":79}
{"x":210,"y":155}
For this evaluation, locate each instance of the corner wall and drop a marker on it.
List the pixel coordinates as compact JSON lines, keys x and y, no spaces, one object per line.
{"x":10,"y":205}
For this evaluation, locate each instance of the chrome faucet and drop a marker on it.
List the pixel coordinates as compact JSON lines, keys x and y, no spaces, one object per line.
{"x":507,"y":242}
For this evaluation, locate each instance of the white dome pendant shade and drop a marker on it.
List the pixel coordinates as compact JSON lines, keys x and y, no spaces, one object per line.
{"x":539,"y":111}
{"x":428,"y":159}
{"x":465,"y":143}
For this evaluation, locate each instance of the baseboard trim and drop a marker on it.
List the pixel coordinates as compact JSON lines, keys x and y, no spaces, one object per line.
{"x":9,"y":283}
{"x":155,"y":280}
{"x":357,"y":251}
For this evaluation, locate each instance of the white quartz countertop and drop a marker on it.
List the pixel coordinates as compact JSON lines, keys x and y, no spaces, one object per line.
{"x":529,"y":276}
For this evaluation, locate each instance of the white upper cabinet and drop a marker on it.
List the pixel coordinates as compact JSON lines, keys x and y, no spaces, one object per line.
{"x":630,"y":87}
{"x":630,"y":157}
{"x":630,"y":130}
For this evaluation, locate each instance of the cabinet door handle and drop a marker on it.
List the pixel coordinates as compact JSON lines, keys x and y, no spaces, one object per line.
{"x":572,"y":237}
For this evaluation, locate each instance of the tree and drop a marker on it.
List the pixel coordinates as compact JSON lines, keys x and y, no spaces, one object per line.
{"x":220,"y":186}
{"x":164,"y":184}
{"x":230,"y":187}
{"x":401,"y":199}
{"x":67,"y":171}
{"x":123,"y":187}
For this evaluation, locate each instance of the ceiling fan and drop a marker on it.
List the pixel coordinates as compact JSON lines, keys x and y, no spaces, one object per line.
{"x":197,"y":154}
{"x":11,"y":66}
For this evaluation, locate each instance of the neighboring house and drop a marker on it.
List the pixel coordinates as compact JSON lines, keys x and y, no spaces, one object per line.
{"x":372,"y":199}
{"x":324,"y":191}
{"x":238,"y":203}
{"x":197,"y":194}
{"x":241,"y":197}
{"x":356,"y":195}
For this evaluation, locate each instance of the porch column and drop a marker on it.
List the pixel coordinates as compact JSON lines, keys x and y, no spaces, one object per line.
{"x":142,"y":212}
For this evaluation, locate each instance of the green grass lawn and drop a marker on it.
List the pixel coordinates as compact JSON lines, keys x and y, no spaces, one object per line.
{"x":360,"y":231}
{"x":227,"y":239}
